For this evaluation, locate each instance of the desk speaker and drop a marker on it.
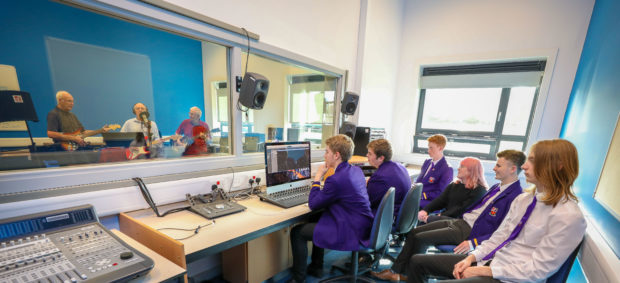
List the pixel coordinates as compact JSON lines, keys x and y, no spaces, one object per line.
{"x":254,"y":88}
{"x":349,"y":103}
{"x":348,"y":129}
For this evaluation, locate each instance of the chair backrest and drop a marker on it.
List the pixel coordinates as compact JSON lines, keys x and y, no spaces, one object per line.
{"x":382,"y":225}
{"x":408,"y":214}
{"x":561,"y":275}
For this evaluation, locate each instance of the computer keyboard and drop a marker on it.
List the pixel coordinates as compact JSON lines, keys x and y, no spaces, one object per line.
{"x":288,"y":198}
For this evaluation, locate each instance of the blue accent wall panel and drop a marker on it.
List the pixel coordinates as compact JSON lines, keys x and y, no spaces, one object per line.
{"x":175,"y":61}
{"x":593,"y":109}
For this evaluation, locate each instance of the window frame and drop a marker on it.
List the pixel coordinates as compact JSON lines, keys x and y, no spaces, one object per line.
{"x":90,"y":177}
{"x":475,"y":137}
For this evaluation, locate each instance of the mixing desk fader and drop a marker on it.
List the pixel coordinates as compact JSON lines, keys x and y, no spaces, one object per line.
{"x":68,"y":245}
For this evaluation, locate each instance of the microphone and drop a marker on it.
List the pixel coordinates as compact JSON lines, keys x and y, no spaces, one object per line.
{"x":144,"y":116}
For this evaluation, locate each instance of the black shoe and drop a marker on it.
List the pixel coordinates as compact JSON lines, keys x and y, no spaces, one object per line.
{"x":363,"y":261}
{"x":315,"y":271}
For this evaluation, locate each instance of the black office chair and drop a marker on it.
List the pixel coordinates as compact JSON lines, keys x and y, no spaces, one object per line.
{"x":379,"y":236}
{"x":407,"y":217}
{"x":561,"y":275}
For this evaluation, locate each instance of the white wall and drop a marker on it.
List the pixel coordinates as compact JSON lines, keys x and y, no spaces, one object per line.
{"x":381,"y":55}
{"x":487,"y":29}
{"x":323,"y":30}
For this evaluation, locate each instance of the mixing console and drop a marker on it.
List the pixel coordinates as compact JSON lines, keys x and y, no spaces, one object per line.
{"x":65,"y":246}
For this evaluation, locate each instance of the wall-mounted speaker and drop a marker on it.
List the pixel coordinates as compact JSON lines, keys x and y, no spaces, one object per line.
{"x":348,"y":129}
{"x":253,"y":93}
{"x":349,"y":103}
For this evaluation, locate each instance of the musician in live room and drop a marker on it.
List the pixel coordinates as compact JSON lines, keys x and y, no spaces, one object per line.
{"x":141,"y":124}
{"x":187,"y":126}
{"x":64,"y":126}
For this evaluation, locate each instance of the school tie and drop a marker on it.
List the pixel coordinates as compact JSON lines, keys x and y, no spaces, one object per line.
{"x":486,"y":198}
{"x":430,"y":168}
{"x":516,"y":231}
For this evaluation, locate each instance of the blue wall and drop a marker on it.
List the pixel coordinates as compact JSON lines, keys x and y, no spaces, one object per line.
{"x":593,"y":109}
{"x":176,"y":62}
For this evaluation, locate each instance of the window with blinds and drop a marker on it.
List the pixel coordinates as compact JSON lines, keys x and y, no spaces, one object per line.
{"x":481,"y":108}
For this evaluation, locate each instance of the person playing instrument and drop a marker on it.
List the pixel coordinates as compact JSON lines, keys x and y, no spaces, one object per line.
{"x":141,"y":123}
{"x":148,"y":128}
{"x":199,"y":146}
{"x":543,"y":227}
{"x":64,"y":126}
{"x":186,"y":127}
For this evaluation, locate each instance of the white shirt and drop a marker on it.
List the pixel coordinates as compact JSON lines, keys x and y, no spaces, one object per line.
{"x":135,"y":125}
{"x":548,"y":237}
{"x":471,"y":216}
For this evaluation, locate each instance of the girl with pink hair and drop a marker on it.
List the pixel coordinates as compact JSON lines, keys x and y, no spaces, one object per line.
{"x":468,"y":188}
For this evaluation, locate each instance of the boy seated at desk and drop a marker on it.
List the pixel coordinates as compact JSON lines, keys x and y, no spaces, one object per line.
{"x":346,"y":220}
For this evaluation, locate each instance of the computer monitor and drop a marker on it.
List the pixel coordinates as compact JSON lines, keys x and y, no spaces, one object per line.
{"x":122,"y":139}
{"x":286,"y":162}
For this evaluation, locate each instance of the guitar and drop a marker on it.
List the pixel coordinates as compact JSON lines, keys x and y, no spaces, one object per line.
{"x":134,"y":152}
{"x":71,"y":146}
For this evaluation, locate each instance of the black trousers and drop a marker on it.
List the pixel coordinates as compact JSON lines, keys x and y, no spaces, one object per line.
{"x":300,"y":235}
{"x":422,"y":266}
{"x":440,"y":232}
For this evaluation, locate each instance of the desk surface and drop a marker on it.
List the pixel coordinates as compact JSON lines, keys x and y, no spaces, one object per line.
{"x":163,"y":270}
{"x":260,"y":218}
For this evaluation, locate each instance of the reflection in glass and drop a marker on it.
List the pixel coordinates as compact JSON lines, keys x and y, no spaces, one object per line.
{"x":457,"y":109}
{"x":518,"y":112}
{"x":108,"y":70}
{"x":299,"y":105}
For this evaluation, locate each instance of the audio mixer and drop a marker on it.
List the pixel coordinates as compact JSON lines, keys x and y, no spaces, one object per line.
{"x":68,"y":245}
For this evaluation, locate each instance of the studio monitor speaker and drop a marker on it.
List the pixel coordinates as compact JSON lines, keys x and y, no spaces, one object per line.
{"x":349,"y":103}
{"x":348,"y":129}
{"x":254,"y":88}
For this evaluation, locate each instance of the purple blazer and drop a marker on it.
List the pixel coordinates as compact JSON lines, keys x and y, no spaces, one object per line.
{"x":347,"y":219}
{"x":435,"y":181}
{"x":493,"y":214}
{"x":389,"y":174}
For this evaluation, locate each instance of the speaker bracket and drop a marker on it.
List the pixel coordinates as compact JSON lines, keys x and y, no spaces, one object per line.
{"x":239,"y":80}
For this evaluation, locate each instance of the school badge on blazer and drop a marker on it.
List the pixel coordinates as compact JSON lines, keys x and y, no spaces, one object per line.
{"x":431,"y":180}
{"x":493,"y":211}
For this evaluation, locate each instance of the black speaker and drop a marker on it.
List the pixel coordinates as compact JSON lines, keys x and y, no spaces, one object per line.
{"x":348,"y":129}
{"x":254,"y":88}
{"x":361,"y":140}
{"x":349,"y":103}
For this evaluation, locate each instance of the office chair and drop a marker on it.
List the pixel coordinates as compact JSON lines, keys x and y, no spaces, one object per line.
{"x":379,"y":236}
{"x":561,"y":275}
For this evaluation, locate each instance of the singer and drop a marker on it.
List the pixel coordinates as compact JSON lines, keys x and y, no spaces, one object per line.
{"x":141,"y":123}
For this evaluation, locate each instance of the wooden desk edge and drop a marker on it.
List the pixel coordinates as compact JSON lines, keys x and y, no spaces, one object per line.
{"x":162,"y":271}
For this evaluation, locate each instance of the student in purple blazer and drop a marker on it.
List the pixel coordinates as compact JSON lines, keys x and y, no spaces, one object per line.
{"x":476,"y":225}
{"x":346,"y":219}
{"x":436,"y":173}
{"x":388,"y":174}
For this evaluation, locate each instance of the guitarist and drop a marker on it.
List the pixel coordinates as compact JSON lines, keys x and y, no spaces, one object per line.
{"x":64,"y":126}
{"x":142,"y":124}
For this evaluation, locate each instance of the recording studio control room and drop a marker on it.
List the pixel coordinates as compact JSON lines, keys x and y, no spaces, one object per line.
{"x":309,"y":141}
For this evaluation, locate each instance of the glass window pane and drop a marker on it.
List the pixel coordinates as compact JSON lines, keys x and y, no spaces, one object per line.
{"x":503,"y":145}
{"x":110,"y":72}
{"x":518,"y":112}
{"x":460,"y":146}
{"x":299,"y":105}
{"x":461,"y":109}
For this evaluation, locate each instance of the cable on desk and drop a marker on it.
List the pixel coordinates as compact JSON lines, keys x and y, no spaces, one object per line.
{"x":149,"y":199}
{"x":196,"y":230}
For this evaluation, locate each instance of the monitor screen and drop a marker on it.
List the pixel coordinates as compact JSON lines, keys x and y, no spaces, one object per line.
{"x":287,"y":162}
